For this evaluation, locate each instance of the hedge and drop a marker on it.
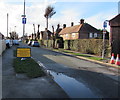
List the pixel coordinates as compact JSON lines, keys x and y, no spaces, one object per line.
{"x":89,"y":46}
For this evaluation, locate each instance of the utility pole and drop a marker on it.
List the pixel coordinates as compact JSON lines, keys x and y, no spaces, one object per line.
{"x":24,"y":24}
{"x":14,"y":28}
{"x":24,"y":21}
{"x":7,"y":24}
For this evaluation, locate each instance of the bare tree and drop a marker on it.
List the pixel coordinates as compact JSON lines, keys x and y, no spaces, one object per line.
{"x":53,"y":37}
{"x":38,"y":33}
{"x":13,"y":35}
{"x":49,"y":12}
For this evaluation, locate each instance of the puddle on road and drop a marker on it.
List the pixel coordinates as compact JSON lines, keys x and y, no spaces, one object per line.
{"x":72,"y":87}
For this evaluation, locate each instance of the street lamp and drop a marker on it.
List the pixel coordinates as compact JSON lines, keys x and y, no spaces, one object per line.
{"x":104,"y":32}
{"x":7,"y":24}
{"x":24,"y":21}
{"x":14,"y":28}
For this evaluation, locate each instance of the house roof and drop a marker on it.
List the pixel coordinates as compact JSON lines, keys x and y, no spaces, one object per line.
{"x":49,"y":32}
{"x":116,"y":17}
{"x":115,"y":21}
{"x":77,"y":28}
{"x":72,"y":29}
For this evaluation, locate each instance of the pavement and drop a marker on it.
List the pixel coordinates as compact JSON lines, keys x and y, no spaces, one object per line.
{"x":19,"y":86}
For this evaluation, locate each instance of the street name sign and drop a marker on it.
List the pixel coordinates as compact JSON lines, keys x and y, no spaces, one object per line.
{"x":24,"y":52}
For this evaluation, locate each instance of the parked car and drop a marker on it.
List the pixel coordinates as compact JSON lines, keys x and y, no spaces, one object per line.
{"x":8,"y":43}
{"x":20,"y":40}
{"x":35,"y":44}
{"x":15,"y":42}
{"x":29,"y":43}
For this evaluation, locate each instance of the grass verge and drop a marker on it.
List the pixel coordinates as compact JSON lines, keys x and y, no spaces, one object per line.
{"x":82,"y":55}
{"x":29,"y":67}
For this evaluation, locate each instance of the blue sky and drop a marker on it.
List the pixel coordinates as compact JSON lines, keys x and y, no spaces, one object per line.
{"x":94,"y":13}
{"x":87,"y":8}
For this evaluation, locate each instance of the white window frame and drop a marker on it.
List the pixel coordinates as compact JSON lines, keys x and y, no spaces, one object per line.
{"x":66,"y":35}
{"x":90,"y":35}
{"x":95,"y":35}
{"x":73,"y":35}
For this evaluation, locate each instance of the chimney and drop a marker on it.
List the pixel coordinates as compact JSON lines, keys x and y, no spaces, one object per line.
{"x":72,"y":24}
{"x":64,"y":25}
{"x":45,"y":29}
{"x":81,"y":21}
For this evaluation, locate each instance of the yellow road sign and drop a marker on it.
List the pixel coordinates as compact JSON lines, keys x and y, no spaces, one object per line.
{"x":23,"y":52}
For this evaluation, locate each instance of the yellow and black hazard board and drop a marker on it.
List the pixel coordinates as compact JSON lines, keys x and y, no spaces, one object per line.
{"x":24,"y":52}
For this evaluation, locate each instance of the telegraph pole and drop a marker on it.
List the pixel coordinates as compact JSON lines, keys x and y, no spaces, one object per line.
{"x":7,"y":24}
{"x":24,"y":24}
{"x":24,"y":21}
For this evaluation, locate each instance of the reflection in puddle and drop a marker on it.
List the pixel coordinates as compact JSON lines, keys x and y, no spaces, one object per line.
{"x":72,"y":87}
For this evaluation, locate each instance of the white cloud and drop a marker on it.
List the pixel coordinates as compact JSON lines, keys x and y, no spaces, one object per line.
{"x":66,"y":17}
{"x":98,"y":19}
{"x":35,"y":15}
{"x":62,"y":0}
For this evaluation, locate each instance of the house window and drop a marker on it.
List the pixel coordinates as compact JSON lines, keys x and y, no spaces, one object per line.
{"x":66,"y":35}
{"x":95,"y":35}
{"x":90,"y":35}
{"x":73,"y":34}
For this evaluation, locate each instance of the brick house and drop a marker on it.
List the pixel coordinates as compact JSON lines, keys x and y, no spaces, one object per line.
{"x":115,"y":34}
{"x":44,"y":35}
{"x":81,"y":31}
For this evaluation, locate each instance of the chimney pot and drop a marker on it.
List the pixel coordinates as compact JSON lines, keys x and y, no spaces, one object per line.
{"x":64,"y":25}
{"x":72,"y":24}
{"x":81,"y":21}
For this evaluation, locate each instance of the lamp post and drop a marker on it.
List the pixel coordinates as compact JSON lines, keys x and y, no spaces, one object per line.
{"x":7,"y":25}
{"x":14,"y":28}
{"x":24,"y":21}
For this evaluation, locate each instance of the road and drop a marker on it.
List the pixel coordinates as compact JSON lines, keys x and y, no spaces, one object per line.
{"x":78,"y":78}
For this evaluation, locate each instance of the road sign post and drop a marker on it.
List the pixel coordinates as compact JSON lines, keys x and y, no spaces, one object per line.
{"x":104,"y":32}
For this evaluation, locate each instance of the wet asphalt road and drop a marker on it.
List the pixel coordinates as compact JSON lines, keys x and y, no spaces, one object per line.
{"x":79,"y":78}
